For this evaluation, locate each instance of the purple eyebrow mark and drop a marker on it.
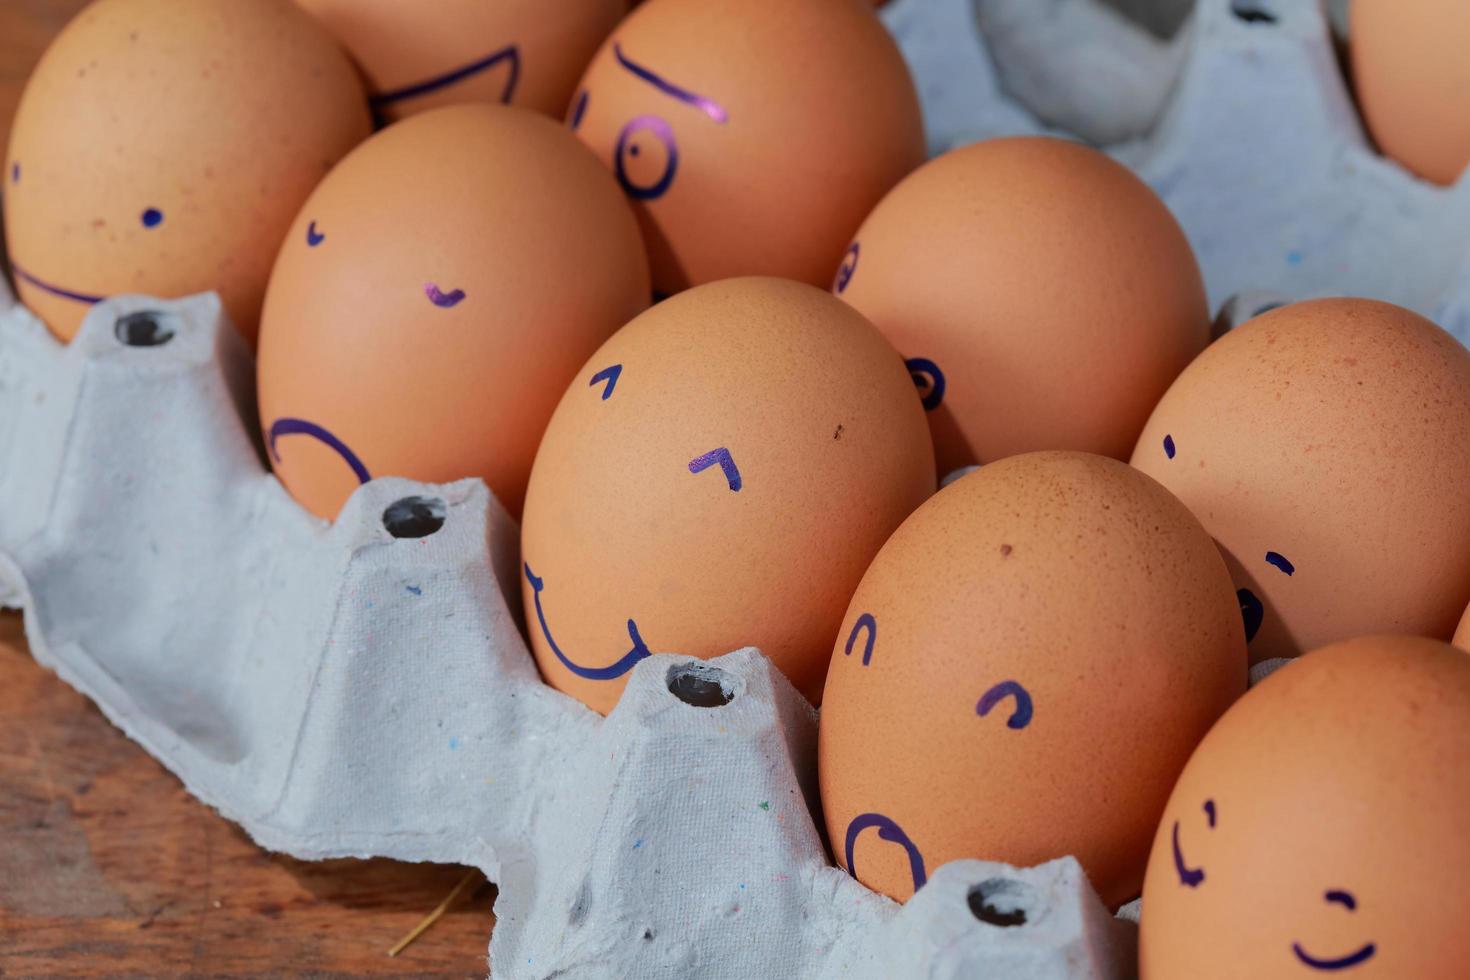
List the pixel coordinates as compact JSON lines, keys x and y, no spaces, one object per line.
{"x":443,"y":299}
{"x":47,"y":287}
{"x":428,"y":85}
{"x":1019,"y":718}
{"x":314,"y":237}
{"x":1169,"y":446}
{"x":1189,"y":877}
{"x":610,"y":375}
{"x":579,"y":108}
{"x":722,"y":456}
{"x":301,"y":427}
{"x":1272,"y":558}
{"x":1210,"y":811}
{"x":1343,"y":898}
{"x":866,"y":619}
{"x":709,"y":107}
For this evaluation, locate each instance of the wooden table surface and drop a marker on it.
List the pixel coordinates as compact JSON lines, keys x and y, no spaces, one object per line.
{"x":108,"y":868}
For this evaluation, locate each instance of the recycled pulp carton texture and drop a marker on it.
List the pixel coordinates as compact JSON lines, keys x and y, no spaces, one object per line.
{"x":362,"y":688}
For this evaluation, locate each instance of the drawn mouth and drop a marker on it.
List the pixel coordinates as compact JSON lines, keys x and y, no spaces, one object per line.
{"x":1342,"y":963}
{"x":611,"y":671}
{"x":1189,"y":877}
{"x":52,"y":288}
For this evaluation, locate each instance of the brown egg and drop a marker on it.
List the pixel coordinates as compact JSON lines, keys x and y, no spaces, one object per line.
{"x":523,"y":52}
{"x":719,"y":475}
{"x":1462,"y":632}
{"x":433,"y":299}
{"x":1044,"y":295}
{"x":1412,"y":73}
{"x":1320,"y":826}
{"x":752,"y":135}
{"x":1326,"y":446}
{"x":1023,"y":672}
{"x":163,"y":147}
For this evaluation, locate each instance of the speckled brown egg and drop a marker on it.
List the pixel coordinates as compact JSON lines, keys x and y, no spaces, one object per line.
{"x":419,"y":56}
{"x":717,"y":476}
{"x":1326,"y":446}
{"x":1023,"y":673}
{"x":752,"y":135}
{"x":1412,"y":73}
{"x":1044,"y":296}
{"x":433,"y":299}
{"x":163,"y":147}
{"x":1319,"y":829}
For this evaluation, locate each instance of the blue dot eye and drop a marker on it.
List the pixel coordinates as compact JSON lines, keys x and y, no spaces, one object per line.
{"x":1169,"y":446}
{"x":152,"y":217}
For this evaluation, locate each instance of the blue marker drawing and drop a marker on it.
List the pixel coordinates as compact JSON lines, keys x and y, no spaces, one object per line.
{"x":1169,"y":446}
{"x":301,"y":427}
{"x":54,"y":290}
{"x":707,"y":106}
{"x":442,"y":299}
{"x":15,"y":173}
{"x":665,"y":134}
{"x":865,"y":620}
{"x":846,"y":269}
{"x":1273,"y":558}
{"x":1189,"y":877}
{"x":1210,"y":812}
{"x":509,"y":53}
{"x":152,"y":217}
{"x":1251,"y":612}
{"x":927,"y":374}
{"x":314,"y":237}
{"x":610,"y":375}
{"x":1339,"y":897}
{"x":891,"y":832}
{"x":579,"y":109}
{"x":611,"y":671}
{"x":1019,"y":718}
{"x":722,"y":456}
{"x":1352,"y":959}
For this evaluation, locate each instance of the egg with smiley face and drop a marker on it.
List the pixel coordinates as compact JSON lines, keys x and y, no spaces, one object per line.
{"x":752,"y":135}
{"x":718,"y":475}
{"x":1022,"y":673}
{"x":434,"y":297}
{"x":164,"y":146}
{"x":1319,"y":829}
{"x":1326,"y":447}
{"x":422,"y":56}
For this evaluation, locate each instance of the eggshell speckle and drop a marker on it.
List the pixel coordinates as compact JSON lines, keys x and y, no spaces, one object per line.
{"x":1326,"y":447}
{"x":1412,"y":73}
{"x":1023,"y":672}
{"x":433,"y":299}
{"x":1320,"y":826}
{"x":163,"y":147}
{"x":419,"y":56}
{"x":752,"y":135}
{"x":1045,"y":296}
{"x":718,"y":475}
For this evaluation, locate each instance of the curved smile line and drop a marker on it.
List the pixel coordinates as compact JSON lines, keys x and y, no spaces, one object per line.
{"x":1338,"y":964}
{"x":428,"y":85}
{"x":1190,"y":877}
{"x":611,"y":671}
{"x":47,"y":287}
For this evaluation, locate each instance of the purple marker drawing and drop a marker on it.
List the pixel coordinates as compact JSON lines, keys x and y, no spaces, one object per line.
{"x":579,"y":109}
{"x":15,"y":173}
{"x":1189,"y":877}
{"x":152,"y":217}
{"x":509,"y":53}
{"x":1339,"y":897}
{"x":54,"y":290}
{"x":620,"y":667}
{"x":665,"y":134}
{"x":610,"y":375}
{"x":925,"y":373}
{"x":1210,"y":812}
{"x":1273,"y":558}
{"x":301,"y":427}
{"x":846,"y":269}
{"x":722,"y":456}
{"x":865,"y":620}
{"x":1342,"y":963}
{"x":1019,"y":718}
{"x":891,"y":832}
{"x":1251,"y":612}
{"x":1169,"y":446}
{"x":442,"y":299}
{"x":313,"y":237}
{"x":707,"y":106}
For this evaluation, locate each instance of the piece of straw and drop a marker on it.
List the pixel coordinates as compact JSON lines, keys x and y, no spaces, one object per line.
{"x":437,"y":914}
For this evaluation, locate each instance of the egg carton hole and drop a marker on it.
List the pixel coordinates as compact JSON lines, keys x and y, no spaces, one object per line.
{"x":145,"y":328}
{"x":1253,"y":11}
{"x":701,"y":685}
{"x":1005,"y":903}
{"x":414,"y":517}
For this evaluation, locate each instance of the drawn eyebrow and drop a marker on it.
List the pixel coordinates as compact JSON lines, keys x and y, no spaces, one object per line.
{"x":709,"y":107}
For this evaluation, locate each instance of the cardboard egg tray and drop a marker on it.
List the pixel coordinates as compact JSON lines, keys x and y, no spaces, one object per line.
{"x":363,"y":689}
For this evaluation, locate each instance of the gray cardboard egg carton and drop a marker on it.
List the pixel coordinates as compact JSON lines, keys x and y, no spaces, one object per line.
{"x":362,"y":689}
{"x":1236,"y":112}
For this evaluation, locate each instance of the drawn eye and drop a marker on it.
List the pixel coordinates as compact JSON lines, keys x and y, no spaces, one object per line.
{"x":1251,"y":612}
{"x":647,"y":158}
{"x":579,"y":109}
{"x":848,"y":267}
{"x":152,"y":218}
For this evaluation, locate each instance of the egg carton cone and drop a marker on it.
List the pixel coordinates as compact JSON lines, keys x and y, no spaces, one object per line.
{"x":1236,"y":112}
{"x":362,"y":688}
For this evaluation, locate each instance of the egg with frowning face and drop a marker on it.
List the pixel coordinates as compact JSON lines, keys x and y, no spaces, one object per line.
{"x":163,"y":147}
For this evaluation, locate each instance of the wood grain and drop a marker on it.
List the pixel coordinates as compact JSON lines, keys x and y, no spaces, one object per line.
{"x":109,"y":868}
